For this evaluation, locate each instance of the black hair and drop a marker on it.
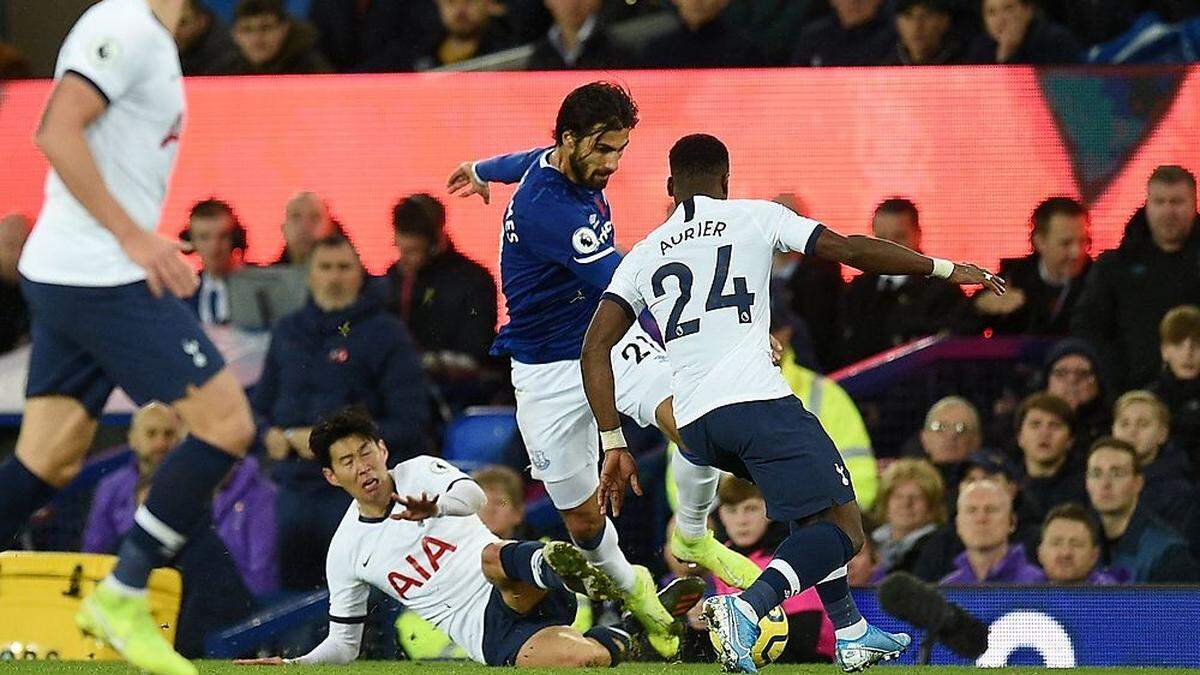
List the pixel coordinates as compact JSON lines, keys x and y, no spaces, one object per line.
{"x":335,"y":426}
{"x":900,"y":206}
{"x":421,"y":215}
{"x":1171,"y":174}
{"x":1054,"y":206}
{"x":595,"y":108}
{"x":211,"y":208}
{"x":248,"y":8}
{"x":699,"y":155}
{"x":1074,"y":512}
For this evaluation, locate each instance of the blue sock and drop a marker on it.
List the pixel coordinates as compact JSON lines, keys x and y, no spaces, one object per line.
{"x":839,"y":605}
{"x":615,"y":640}
{"x":804,"y":558}
{"x":523,"y":562}
{"x":24,"y":493}
{"x":179,"y":499}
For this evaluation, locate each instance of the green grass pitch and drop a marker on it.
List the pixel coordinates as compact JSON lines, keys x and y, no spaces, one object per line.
{"x":408,"y":667}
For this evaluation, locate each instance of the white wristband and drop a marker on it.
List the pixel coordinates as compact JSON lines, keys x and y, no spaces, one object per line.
{"x":942,"y":268}
{"x":613,"y":439}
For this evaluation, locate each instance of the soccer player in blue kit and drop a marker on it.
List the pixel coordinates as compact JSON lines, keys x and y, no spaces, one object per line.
{"x":705,"y":276}
{"x":557,"y":257}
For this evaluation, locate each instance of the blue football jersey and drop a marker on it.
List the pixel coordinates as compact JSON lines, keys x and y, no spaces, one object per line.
{"x":556,"y":257}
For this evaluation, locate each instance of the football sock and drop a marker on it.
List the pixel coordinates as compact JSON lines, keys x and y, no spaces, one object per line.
{"x":24,"y":493}
{"x":834,"y":590}
{"x":803,"y":559}
{"x":615,"y":640}
{"x":523,"y":562}
{"x":697,"y":489}
{"x":603,"y":551}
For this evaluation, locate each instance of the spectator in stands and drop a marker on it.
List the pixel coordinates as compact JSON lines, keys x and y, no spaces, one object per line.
{"x":949,"y":436}
{"x":834,"y":408}
{"x":774,"y":24}
{"x":743,"y":515}
{"x":1016,"y":33}
{"x":1070,"y":548}
{"x":220,"y":242}
{"x":341,"y":349}
{"x":467,"y":30}
{"x":1137,"y":540}
{"x":577,"y":39}
{"x":1131,"y":287}
{"x":447,"y":300}
{"x":860,"y":33}
{"x":1072,"y":373}
{"x":13,"y":64}
{"x":1048,"y":476}
{"x":811,"y":287}
{"x":1179,"y":384}
{"x":703,"y":40}
{"x":504,"y":513}
{"x":911,"y":505}
{"x":14,"y":314}
{"x":927,"y":35}
{"x":306,"y":219}
{"x":371,"y":35}
{"x":1044,"y":286}
{"x":984,"y":522}
{"x":884,"y":311}
{"x":269,"y":42}
{"x":1142,"y":420}
{"x":205,"y":45}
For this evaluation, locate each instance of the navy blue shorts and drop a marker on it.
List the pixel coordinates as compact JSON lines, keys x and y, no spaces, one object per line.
{"x":88,"y":340}
{"x":780,"y":447}
{"x":505,"y":631}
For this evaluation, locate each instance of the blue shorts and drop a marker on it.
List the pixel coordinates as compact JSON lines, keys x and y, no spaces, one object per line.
{"x":505,"y":631}
{"x":88,"y":340}
{"x":780,"y":447}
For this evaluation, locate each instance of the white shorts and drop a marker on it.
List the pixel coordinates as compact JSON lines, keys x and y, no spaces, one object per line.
{"x":556,"y":423}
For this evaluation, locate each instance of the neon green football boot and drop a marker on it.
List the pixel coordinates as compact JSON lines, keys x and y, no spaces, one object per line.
{"x":662,"y":631}
{"x":124,"y":623}
{"x":730,"y":566}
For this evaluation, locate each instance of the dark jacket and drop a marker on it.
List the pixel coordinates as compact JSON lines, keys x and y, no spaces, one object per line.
{"x":716,"y":44}
{"x":1013,"y":568}
{"x":1153,"y":552}
{"x":14,"y":317}
{"x":385,"y":37}
{"x":297,"y":56}
{"x":875,"y":319}
{"x":814,"y":288}
{"x":940,"y":549}
{"x":1169,"y":492}
{"x":1127,"y":293}
{"x":1047,"y":309}
{"x":1182,"y":397}
{"x":496,"y":37}
{"x":213,"y":53}
{"x":1045,"y":493}
{"x":319,"y":362}
{"x":1045,"y":42}
{"x":453,"y":305}
{"x":825,"y":42}
{"x":954,"y":50}
{"x":598,"y":53}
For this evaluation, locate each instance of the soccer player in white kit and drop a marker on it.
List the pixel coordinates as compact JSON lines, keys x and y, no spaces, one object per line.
{"x":413,"y":532}
{"x":705,"y":275}
{"x":104,"y":293}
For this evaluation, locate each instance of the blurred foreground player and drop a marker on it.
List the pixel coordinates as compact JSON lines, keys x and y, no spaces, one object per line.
{"x":103,"y":289}
{"x":735,"y":411}
{"x":557,"y":257}
{"x":414,"y":533}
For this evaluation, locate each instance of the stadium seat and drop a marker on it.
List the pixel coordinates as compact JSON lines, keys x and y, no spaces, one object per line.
{"x":479,"y":436}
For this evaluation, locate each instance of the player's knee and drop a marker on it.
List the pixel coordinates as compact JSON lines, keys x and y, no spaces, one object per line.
{"x":233,"y":434}
{"x":583,"y":524}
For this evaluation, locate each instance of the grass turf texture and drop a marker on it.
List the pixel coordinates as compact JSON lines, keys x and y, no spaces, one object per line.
{"x":395,"y":667}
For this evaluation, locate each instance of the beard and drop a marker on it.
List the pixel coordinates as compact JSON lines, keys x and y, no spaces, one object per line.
{"x":587,"y":178}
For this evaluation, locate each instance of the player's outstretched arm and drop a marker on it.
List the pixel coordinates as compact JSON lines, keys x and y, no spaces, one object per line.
{"x":608,"y":326}
{"x":75,"y":104}
{"x":472,"y":178}
{"x":883,"y":257}
{"x":339,"y":648}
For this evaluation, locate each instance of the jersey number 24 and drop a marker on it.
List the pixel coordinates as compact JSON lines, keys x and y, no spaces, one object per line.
{"x":741,"y":298}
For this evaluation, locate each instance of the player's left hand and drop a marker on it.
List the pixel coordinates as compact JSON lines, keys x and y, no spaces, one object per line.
{"x":776,"y":351}
{"x":620,"y":470}
{"x":416,"y":509}
{"x":267,"y":661}
{"x":966,"y":274}
{"x":464,"y":179}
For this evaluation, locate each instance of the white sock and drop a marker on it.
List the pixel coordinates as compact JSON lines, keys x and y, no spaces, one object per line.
{"x":697,"y":489}
{"x":853,"y":631}
{"x":122,"y":589}
{"x":608,"y":557}
{"x":535,"y":563}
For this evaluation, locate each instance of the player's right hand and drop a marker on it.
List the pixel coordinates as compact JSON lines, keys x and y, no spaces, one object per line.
{"x":163,"y":262}
{"x":620,"y":470}
{"x":465,"y":183}
{"x":267,"y":661}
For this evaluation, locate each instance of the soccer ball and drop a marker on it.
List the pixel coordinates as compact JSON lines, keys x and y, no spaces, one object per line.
{"x":772,"y":638}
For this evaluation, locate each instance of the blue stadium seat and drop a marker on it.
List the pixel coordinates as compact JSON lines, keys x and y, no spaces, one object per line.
{"x":480,"y":435}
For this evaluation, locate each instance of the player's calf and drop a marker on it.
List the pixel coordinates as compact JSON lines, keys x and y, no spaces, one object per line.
{"x":565,"y":647}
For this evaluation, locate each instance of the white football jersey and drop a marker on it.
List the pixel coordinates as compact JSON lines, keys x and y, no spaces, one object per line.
{"x":705,"y":276}
{"x":432,"y":567}
{"x":130,"y":57}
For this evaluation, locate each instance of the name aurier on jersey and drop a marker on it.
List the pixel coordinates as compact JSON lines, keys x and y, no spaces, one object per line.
{"x":706,"y":229}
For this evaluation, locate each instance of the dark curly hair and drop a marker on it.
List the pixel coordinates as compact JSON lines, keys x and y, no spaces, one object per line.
{"x":337,"y":425}
{"x":595,"y":108}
